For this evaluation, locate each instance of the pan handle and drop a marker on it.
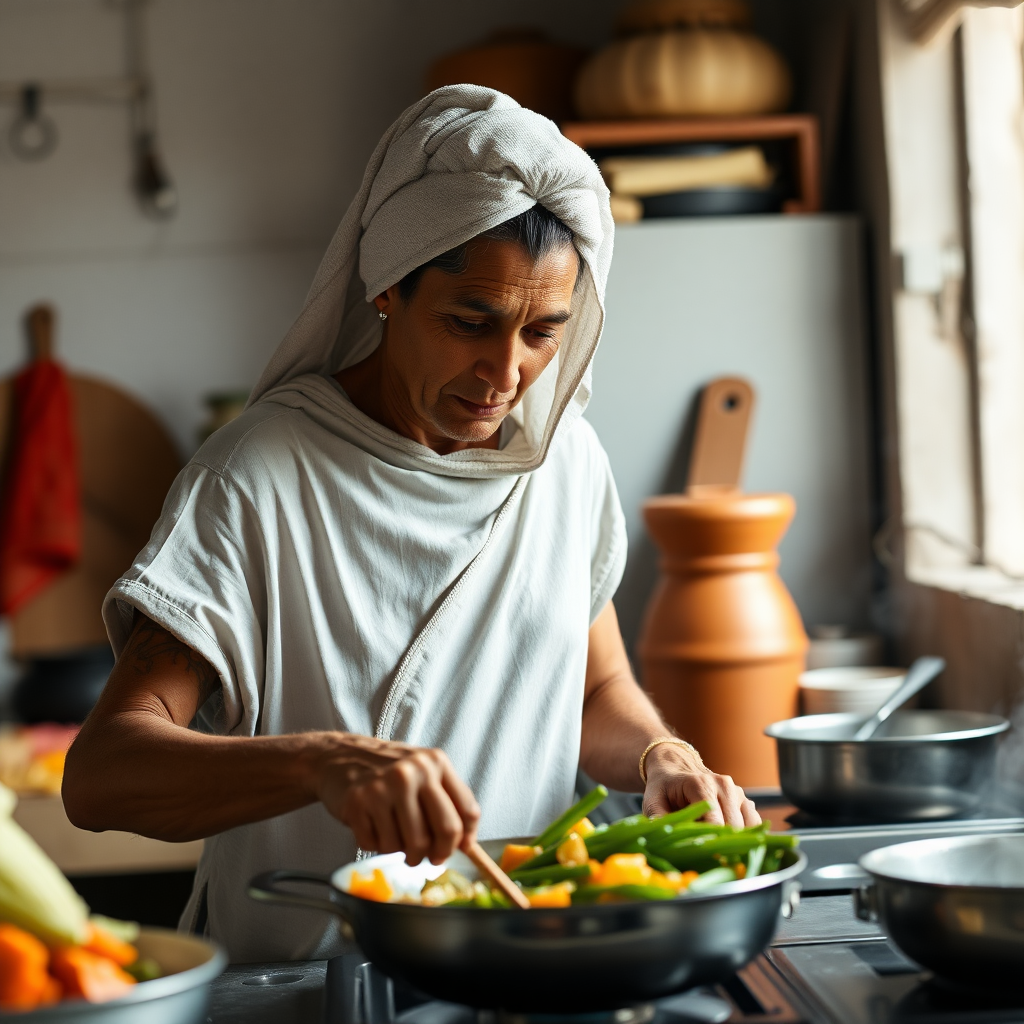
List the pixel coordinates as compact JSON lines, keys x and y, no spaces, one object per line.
{"x":865,"y":903}
{"x":266,"y":888}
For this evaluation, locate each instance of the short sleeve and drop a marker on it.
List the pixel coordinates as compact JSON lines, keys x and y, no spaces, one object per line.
{"x":608,"y":532}
{"x":202,"y":577}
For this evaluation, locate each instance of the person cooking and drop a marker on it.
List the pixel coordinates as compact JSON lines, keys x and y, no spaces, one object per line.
{"x":375,"y":613}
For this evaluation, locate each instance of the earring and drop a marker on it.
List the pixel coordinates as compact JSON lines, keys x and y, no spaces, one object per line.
{"x":382,"y":315}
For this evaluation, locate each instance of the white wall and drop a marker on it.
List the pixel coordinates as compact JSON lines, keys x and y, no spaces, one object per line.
{"x":268,"y":110}
{"x":778,"y":300}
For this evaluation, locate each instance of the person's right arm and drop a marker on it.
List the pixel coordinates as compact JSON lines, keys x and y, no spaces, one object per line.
{"x":137,"y":767}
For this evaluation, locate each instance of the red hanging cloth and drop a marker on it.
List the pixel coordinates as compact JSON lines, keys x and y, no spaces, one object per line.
{"x":41,"y":521}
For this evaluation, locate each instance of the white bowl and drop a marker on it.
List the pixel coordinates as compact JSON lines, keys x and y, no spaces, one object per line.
{"x":860,"y":689}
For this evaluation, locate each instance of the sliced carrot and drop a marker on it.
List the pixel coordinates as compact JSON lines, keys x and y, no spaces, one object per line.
{"x":109,"y":945}
{"x":516,"y":855}
{"x":88,"y":975}
{"x":376,"y":887}
{"x":24,"y":983}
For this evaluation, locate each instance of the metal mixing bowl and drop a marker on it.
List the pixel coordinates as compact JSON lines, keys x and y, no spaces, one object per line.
{"x":921,"y":765}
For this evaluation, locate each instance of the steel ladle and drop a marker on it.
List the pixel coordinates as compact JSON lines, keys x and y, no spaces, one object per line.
{"x":920,"y":674}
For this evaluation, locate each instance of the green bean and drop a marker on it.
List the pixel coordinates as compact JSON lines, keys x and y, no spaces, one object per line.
{"x":615,"y":838}
{"x":658,"y":863}
{"x":700,"y":856}
{"x":561,"y":825}
{"x":549,"y":875}
{"x":709,"y":879}
{"x":631,"y":829}
{"x":755,"y":860}
{"x":592,"y":893}
{"x":659,"y":841}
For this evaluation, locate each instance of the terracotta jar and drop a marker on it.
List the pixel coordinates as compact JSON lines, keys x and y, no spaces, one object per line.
{"x":722,"y":644}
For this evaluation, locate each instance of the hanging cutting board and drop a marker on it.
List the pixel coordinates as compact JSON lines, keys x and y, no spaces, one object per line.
{"x":127,"y":464}
{"x":720,"y":440}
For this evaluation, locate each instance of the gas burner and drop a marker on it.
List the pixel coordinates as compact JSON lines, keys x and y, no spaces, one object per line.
{"x":359,"y":993}
{"x":626,"y":1015}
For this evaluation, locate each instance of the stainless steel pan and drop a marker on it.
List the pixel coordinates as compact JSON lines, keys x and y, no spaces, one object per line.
{"x":570,"y":959}
{"x":956,"y":906}
{"x":920,"y":765}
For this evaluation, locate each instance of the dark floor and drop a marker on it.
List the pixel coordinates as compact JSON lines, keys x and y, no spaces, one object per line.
{"x":157,"y":898}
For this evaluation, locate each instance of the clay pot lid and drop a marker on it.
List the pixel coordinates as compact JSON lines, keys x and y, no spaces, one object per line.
{"x":660,"y":15}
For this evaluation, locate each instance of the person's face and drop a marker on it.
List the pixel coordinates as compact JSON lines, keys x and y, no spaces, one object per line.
{"x":463,"y":350}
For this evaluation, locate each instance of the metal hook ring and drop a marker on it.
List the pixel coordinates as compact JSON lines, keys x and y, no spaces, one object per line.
{"x":32,"y":135}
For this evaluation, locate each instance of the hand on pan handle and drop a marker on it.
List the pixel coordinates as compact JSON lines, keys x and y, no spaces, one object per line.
{"x":676,"y":778}
{"x":398,"y":797}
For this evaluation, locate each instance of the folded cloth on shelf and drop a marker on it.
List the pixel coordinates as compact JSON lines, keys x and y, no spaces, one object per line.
{"x":658,"y":175}
{"x":41,"y":525}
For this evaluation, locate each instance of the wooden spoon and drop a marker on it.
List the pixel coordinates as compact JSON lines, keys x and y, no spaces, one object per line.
{"x":478,"y":855}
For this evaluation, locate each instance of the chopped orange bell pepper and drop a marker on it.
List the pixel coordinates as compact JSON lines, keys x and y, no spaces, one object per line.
{"x":625,"y":869}
{"x":572,"y":851}
{"x":662,"y":881}
{"x":516,"y":855}
{"x":559,"y":895}
{"x":583,"y":827}
{"x":681,"y":882}
{"x":24,"y":981}
{"x":376,"y":887}
{"x":88,"y":975}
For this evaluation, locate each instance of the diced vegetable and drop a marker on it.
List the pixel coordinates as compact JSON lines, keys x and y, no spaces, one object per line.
{"x":621,"y":893}
{"x":551,"y":874}
{"x":145,"y":969}
{"x":88,"y":975}
{"x":515,"y":855}
{"x":375,"y":887}
{"x":24,"y":980}
{"x":558,"y":828}
{"x":109,"y":945}
{"x":34,"y":895}
{"x":572,"y":851}
{"x":552,"y":895}
{"x":709,"y":879}
{"x":637,"y":858}
{"x":624,"y":869}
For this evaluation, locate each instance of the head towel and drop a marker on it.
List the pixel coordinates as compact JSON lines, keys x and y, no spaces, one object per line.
{"x":459,"y":162}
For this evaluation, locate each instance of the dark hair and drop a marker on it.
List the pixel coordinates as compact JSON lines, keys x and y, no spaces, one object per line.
{"x":538,"y":231}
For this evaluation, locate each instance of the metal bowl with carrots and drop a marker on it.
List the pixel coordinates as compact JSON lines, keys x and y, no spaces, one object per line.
{"x":58,"y":963}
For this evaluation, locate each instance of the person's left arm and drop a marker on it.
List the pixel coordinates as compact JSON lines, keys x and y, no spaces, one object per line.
{"x":619,"y":721}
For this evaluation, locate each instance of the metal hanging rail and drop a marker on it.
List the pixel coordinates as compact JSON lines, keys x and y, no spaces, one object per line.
{"x":33,"y":135}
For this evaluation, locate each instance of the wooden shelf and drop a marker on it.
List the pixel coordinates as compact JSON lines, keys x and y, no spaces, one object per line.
{"x":801,"y":129}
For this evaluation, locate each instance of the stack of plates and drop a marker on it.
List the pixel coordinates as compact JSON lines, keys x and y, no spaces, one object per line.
{"x":861,"y":689}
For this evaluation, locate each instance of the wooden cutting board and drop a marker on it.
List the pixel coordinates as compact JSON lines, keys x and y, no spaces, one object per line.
{"x":127,"y":462}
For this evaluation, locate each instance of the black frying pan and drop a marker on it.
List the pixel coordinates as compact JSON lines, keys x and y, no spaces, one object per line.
{"x":571,"y":959}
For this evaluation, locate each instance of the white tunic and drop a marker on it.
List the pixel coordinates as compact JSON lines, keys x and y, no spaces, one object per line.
{"x":333,"y":584}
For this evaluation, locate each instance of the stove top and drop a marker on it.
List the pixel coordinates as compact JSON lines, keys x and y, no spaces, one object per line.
{"x":824,"y":967}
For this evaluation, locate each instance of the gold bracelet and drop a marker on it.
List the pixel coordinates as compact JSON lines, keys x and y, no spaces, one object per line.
{"x":676,"y":742}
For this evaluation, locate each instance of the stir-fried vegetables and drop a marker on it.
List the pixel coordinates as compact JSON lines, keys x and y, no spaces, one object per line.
{"x":636,"y":858}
